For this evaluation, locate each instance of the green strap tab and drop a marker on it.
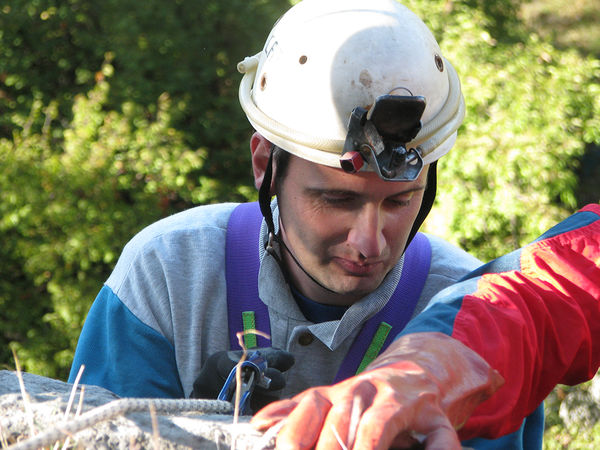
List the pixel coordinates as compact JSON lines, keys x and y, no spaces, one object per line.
{"x":375,"y":346}
{"x":249,"y":324}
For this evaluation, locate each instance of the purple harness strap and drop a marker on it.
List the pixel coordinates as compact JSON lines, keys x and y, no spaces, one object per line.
{"x":241,"y":272}
{"x":242,"y":266}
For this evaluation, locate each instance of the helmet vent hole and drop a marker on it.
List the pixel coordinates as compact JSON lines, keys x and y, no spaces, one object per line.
{"x":303,"y":59}
{"x":263,"y":82}
{"x":439,"y":63}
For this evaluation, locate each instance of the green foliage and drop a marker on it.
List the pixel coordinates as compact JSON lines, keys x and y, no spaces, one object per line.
{"x":572,"y":414}
{"x":115,"y":114}
{"x":67,"y":210}
{"x":531,"y":112}
{"x":575,"y":26}
{"x":50,"y":50}
{"x":572,"y":438}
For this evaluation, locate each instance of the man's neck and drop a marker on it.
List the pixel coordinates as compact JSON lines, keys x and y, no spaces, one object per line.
{"x":317,"y":312}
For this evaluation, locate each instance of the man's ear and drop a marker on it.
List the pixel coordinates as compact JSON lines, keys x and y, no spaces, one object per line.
{"x":261,"y":150}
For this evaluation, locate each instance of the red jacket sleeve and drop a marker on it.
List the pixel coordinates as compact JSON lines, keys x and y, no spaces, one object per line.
{"x":534,"y":315}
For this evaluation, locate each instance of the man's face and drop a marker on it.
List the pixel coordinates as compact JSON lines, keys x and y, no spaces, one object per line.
{"x":346,"y":230}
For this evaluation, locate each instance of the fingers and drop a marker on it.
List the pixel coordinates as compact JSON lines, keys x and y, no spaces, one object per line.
{"x":362,"y":414}
{"x":272,"y":413}
{"x":310,"y":419}
{"x":344,"y":417}
{"x":303,"y":426}
{"x":427,"y":424}
{"x":279,"y":359}
{"x":391,"y":421}
{"x":443,"y":437}
{"x":382,"y":423}
{"x":303,"y":417}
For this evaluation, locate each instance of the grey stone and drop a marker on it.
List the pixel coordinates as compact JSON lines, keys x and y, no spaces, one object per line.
{"x":48,"y":399}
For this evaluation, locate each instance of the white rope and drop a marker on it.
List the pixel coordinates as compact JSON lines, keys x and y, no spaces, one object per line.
{"x":118,"y":408}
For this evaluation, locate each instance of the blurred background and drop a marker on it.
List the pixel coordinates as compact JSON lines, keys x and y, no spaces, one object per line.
{"x":114,"y":114}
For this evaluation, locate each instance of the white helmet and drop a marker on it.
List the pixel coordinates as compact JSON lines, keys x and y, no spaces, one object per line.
{"x":327,"y":61}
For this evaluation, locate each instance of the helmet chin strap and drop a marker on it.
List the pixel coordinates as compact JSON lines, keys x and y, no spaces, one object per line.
{"x":264,"y":195}
{"x":313,"y":279}
{"x":426,"y":203}
{"x":264,"y":201}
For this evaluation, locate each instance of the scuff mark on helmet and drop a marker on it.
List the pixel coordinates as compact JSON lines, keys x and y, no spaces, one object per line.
{"x":365,"y":78}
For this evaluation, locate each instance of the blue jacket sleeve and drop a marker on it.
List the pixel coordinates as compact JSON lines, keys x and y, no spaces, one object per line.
{"x":114,"y":344}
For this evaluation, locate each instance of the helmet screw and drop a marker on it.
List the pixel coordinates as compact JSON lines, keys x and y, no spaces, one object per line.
{"x":439,"y":63}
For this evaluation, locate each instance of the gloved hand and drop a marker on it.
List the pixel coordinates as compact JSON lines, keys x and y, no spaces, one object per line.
{"x":424,"y":386}
{"x":215,"y":371}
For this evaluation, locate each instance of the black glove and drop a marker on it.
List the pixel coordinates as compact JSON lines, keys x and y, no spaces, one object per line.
{"x":217,"y":367}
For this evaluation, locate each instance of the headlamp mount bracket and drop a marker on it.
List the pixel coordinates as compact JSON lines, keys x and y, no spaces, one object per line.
{"x":379,"y":136}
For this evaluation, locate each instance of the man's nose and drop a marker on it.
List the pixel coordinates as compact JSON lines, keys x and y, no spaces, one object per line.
{"x":366,"y":235}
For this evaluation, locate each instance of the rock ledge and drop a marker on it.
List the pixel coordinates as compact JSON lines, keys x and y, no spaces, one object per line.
{"x":48,"y":400}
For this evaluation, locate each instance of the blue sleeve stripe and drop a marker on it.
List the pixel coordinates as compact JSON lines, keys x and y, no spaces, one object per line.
{"x":506,"y":263}
{"x":529,"y":436}
{"x":512,"y":261}
{"x":577,"y":220}
{"x":123,"y":354}
{"x":441,"y":312}
{"x":440,"y":318}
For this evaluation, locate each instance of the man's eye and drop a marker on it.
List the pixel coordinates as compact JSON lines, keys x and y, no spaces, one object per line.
{"x":401,"y":201}
{"x":337,"y":199}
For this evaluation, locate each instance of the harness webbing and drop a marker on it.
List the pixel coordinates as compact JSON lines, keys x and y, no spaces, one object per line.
{"x":241,"y":272}
{"x":246,"y":309}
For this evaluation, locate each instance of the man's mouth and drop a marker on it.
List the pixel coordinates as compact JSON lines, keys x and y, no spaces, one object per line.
{"x":358,"y":268}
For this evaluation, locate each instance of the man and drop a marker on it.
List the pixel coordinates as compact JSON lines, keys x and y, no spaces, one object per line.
{"x":353,"y":104}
